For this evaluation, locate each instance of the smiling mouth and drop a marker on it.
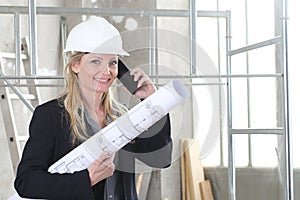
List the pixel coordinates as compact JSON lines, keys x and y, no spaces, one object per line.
{"x":106,"y":80}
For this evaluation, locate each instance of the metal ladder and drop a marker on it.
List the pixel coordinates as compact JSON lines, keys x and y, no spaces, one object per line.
{"x":283,"y":124}
{"x":11,"y":93}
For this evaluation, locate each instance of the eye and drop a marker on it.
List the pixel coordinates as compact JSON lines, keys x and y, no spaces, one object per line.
{"x":114,"y":62}
{"x":96,"y":61}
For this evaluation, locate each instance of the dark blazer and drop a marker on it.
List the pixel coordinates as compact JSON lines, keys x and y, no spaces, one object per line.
{"x":50,"y":140}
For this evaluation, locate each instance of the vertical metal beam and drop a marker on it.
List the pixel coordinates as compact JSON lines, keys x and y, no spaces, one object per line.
{"x":231,"y":161}
{"x":32,"y":36}
{"x":285,"y":93}
{"x":281,"y":28}
{"x":152,"y":49}
{"x":63,"y":29}
{"x":220,"y":93}
{"x":17,"y":33}
{"x":192,"y":27}
{"x":248,"y":88}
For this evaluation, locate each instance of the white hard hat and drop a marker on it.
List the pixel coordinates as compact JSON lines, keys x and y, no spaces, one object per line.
{"x":96,"y":35}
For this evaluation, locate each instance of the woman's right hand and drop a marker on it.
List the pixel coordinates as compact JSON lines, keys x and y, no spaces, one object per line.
{"x":101,"y":168}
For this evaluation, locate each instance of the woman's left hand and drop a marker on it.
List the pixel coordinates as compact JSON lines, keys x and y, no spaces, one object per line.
{"x":145,"y":85}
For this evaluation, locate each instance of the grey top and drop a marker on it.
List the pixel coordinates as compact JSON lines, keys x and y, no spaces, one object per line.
{"x":113,"y":186}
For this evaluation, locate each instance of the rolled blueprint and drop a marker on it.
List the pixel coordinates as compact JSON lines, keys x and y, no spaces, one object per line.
{"x":124,"y":129}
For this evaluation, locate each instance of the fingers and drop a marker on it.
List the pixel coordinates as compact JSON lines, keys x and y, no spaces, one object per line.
{"x":145,"y":84}
{"x":109,"y":159}
{"x":144,"y":80}
{"x":101,"y":168}
{"x":108,"y":168}
{"x":103,"y":156}
{"x":138,"y":74}
{"x":140,"y":77}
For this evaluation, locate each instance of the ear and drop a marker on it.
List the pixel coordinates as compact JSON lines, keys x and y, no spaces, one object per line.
{"x":75,"y":67}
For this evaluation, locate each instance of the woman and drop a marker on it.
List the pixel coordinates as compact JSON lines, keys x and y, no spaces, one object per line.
{"x":83,"y":108}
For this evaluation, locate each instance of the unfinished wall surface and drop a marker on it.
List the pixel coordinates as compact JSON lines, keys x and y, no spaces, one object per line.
{"x":173,"y":59}
{"x":49,"y":63}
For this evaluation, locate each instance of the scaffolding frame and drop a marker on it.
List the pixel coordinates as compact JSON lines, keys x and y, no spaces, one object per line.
{"x":32,"y":10}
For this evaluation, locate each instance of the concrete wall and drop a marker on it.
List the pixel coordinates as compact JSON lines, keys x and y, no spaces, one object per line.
{"x":251,"y":183}
{"x":173,"y":59}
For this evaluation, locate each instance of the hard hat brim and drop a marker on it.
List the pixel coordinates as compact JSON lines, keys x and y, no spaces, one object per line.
{"x":118,"y":52}
{"x":102,"y":50}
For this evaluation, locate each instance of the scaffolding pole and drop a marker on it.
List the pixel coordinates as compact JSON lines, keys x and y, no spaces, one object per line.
{"x":32,"y":36}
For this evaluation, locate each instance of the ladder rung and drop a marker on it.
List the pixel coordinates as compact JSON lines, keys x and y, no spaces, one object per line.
{"x":275,"y":131}
{"x":26,"y":96}
{"x":12,"y":55}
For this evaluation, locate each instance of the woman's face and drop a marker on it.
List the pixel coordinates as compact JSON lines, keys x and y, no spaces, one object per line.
{"x":96,"y":72}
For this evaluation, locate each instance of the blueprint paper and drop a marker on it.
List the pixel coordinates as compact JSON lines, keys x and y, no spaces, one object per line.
{"x":124,"y":129}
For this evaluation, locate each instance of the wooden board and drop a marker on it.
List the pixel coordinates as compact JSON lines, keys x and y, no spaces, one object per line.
{"x":206,"y":191}
{"x":193,"y":168}
{"x":138,"y":183}
{"x":183,"y":172}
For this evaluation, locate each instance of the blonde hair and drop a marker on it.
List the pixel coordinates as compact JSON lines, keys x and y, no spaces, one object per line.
{"x":73,"y":102}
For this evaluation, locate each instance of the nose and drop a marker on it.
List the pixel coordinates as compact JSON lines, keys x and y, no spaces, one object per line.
{"x":106,"y":69}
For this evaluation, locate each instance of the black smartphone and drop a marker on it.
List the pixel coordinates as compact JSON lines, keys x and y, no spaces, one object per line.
{"x":125,"y":77}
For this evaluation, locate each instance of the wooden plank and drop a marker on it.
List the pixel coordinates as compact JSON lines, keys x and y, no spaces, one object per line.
{"x":139,"y":178}
{"x":143,"y":190}
{"x":183,"y":172}
{"x":194,"y":168}
{"x":187,"y":188}
{"x":206,"y":191}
